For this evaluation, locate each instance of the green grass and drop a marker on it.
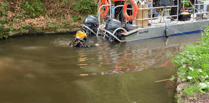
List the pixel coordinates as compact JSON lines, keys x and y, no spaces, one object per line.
{"x":193,"y":64}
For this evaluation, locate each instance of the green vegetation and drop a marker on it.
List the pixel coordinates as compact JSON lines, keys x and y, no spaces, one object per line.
{"x":75,"y":18}
{"x":24,"y":27}
{"x":4,"y":21}
{"x":12,"y":28}
{"x":193,"y":65}
{"x":51,"y":22}
{"x":20,"y":15}
{"x":33,"y":8}
{"x":65,"y":22}
{"x":3,"y":32}
{"x":14,"y":15}
{"x":16,"y":20}
{"x":86,"y":7}
{"x":3,"y":9}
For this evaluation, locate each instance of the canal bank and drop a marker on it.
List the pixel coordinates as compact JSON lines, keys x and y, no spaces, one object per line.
{"x":192,"y":75}
{"x":40,"y":31}
{"x":19,"y":17}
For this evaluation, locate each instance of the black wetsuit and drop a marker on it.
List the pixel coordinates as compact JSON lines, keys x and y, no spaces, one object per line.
{"x":119,"y":11}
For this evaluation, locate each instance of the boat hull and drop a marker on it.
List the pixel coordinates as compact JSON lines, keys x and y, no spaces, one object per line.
{"x":158,"y":31}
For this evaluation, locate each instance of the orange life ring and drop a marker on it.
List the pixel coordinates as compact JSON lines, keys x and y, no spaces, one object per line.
{"x":130,"y":18}
{"x":118,"y":0}
{"x":106,"y":8}
{"x":103,"y":1}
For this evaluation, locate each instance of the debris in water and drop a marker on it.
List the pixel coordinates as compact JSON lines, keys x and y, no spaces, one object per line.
{"x":102,"y":73}
{"x":96,"y":44}
{"x":81,"y":64}
{"x":84,"y":74}
{"x":166,"y":63}
{"x":94,"y":74}
{"x":32,"y":47}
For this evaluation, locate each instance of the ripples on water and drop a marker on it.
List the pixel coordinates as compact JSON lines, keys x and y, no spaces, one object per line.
{"x":45,"y":69}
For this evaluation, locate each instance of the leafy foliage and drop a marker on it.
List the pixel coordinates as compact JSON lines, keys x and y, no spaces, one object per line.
{"x":4,"y":21}
{"x":75,"y":18}
{"x":86,"y":6}
{"x":20,"y":15}
{"x":16,"y":20}
{"x":33,"y":8}
{"x":3,"y":32}
{"x":3,"y":8}
{"x":193,"y":64}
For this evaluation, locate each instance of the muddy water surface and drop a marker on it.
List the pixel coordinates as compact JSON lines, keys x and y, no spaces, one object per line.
{"x":43,"y":69}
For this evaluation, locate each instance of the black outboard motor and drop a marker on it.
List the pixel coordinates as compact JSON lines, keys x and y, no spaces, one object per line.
{"x":111,"y":26}
{"x":92,"y":23}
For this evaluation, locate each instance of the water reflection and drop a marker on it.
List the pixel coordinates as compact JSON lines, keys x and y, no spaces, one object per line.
{"x":135,"y":59}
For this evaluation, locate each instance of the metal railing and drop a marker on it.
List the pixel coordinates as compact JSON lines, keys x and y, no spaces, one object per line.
{"x":98,"y":13}
{"x":199,"y":12}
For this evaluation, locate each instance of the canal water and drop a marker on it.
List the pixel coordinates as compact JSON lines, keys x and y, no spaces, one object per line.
{"x":44,"y":69}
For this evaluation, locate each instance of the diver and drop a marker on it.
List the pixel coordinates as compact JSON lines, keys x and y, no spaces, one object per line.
{"x":80,"y":40}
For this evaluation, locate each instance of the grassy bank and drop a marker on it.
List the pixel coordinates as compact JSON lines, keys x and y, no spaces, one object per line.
{"x":193,"y":65}
{"x":43,"y":14}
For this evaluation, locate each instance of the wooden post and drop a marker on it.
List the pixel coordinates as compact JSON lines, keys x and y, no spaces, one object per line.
{"x":145,"y":15}
{"x":142,"y":14}
{"x":139,"y":16}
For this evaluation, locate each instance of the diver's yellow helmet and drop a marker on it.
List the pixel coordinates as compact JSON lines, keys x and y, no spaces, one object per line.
{"x":81,"y":34}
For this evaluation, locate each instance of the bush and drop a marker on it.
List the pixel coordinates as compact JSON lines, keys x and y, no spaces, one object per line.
{"x":193,"y":64}
{"x":33,"y":8}
{"x":86,"y":7}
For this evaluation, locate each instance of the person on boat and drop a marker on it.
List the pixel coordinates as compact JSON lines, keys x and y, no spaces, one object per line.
{"x":119,"y":10}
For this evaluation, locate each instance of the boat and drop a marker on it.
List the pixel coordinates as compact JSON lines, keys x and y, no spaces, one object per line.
{"x":147,"y":19}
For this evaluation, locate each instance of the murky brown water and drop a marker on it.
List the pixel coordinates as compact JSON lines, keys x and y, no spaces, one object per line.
{"x":43,"y":69}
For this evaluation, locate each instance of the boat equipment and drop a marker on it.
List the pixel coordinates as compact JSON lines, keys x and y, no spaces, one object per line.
{"x":178,"y":23}
{"x":90,"y":25}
